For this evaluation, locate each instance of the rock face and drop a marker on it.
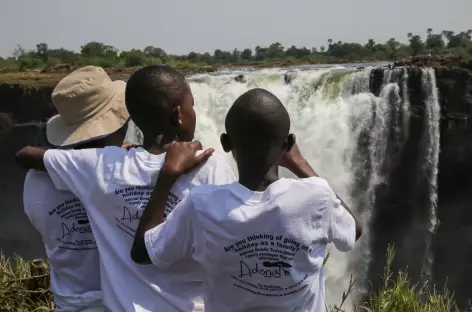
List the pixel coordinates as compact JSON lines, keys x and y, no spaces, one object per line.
{"x":17,"y":236}
{"x":402,"y":203}
{"x":26,"y":104}
{"x":453,"y":242}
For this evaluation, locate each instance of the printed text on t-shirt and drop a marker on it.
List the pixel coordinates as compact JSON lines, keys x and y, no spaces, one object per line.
{"x":76,"y":233}
{"x":135,"y":201}
{"x":269,"y":256}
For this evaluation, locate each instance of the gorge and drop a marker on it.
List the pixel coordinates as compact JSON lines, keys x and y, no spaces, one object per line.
{"x":392,"y":142}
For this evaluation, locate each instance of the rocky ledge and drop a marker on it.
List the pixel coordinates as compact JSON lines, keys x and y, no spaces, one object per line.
{"x":25,"y":97}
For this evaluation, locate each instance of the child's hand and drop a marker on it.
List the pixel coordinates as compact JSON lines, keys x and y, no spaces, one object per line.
{"x":292,"y":158}
{"x":296,"y":163}
{"x":129,"y":145}
{"x":181,"y":157}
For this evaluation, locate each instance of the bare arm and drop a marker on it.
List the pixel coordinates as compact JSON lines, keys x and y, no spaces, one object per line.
{"x":153,"y":215}
{"x":31,"y":158}
{"x":180,"y":158}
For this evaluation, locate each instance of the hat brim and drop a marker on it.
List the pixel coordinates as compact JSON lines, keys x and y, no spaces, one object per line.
{"x":58,"y":134}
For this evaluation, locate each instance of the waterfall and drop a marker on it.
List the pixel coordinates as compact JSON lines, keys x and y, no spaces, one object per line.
{"x":133,"y":134}
{"x":432,"y":116}
{"x":351,"y":137}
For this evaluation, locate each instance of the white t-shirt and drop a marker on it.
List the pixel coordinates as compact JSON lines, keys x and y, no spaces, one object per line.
{"x":261,"y":251}
{"x":61,"y":220}
{"x":115,"y":185}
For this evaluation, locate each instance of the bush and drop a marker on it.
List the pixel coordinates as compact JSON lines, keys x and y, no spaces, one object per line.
{"x":134,"y":58}
{"x":24,"y":286}
{"x":8,"y":63}
{"x":52,"y":61}
{"x":397,"y":294}
{"x":28,"y":62}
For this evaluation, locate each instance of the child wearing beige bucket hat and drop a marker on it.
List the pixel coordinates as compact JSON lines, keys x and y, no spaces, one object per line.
{"x":92,"y":113}
{"x":90,"y":106}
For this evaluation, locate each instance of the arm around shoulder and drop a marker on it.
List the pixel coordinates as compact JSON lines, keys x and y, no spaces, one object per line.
{"x":31,"y":158}
{"x":168,"y":242}
{"x":73,"y":170}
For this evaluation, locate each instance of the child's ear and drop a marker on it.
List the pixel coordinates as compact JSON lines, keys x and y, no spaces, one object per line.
{"x":175,"y":123}
{"x":290,"y":142}
{"x":175,"y":119}
{"x":226,"y":143}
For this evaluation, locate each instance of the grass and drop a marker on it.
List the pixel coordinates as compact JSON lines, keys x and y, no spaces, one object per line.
{"x":23,"y":288}
{"x":36,"y":79}
{"x":399,"y":295}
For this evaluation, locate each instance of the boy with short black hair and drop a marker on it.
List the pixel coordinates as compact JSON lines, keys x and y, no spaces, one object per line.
{"x":115,"y":184}
{"x":261,"y":241}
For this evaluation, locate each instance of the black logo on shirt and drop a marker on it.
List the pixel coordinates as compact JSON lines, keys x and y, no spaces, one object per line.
{"x":68,"y":231}
{"x":266,"y":264}
{"x":274,"y":269}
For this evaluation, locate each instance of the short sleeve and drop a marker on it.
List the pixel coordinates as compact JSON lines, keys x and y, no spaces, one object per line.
{"x":341,"y":224}
{"x":172,"y":240}
{"x":72,"y":170}
{"x":31,"y":203}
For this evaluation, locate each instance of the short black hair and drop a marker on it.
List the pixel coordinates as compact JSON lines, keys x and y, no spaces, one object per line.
{"x":152,"y":94}
{"x":257,"y":119}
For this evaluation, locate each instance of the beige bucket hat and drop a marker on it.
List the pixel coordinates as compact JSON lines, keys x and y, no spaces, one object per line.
{"x":90,"y":106}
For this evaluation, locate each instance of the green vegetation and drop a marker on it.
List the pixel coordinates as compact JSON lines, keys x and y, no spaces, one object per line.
{"x":22,"y":290}
{"x":445,"y":43}
{"x":24,"y":286}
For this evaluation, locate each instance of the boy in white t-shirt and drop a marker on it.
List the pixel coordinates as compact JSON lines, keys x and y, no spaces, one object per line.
{"x":59,"y":216}
{"x":115,"y":184}
{"x":261,"y":242}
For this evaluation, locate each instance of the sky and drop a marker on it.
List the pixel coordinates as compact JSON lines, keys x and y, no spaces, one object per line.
{"x":182,"y":26}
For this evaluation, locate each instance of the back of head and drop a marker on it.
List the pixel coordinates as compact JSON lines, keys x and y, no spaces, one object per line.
{"x":152,"y":94}
{"x":257,"y":127}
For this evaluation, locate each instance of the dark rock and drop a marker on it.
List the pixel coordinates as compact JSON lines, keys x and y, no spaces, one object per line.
{"x":240,"y":78}
{"x":403,"y":202}
{"x":288,"y":77}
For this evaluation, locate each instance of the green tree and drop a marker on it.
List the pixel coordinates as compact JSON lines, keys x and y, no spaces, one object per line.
{"x":98,"y":49}
{"x":275,"y":50}
{"x":261,"y":53}
{"x":246,"y":54}
{"x":462,"y":39}
{"x":66,"y":56}
{"x":154,"y":52}
{"x":133,"y":58}
{"x":292,"y":51}
{"x":206,"y":57}
{"x":370,"y":44}
{"x":392,"y":48}
{"x":416,"y":44}
{"x":236,"y":55}
{"x":435,"y":42}
{"x":43,"y":51}
{"x":192,"y":56}
{"x":18,"y":52}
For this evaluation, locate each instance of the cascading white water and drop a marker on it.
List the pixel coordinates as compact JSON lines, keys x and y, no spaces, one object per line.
{"x":433,"y":111}
{"x":330,"y":110}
